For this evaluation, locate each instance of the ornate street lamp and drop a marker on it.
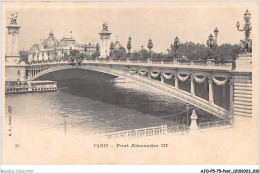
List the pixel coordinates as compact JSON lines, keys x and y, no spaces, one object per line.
{"x":247,"y":43}
{"x":85,"y":50}
{"x":176,"y":46}
{"x":211,"y":43}
{"x":216,"y":35}
{"x":150,"y":46}
{"x":111,"y":48}
{"x":97,"y":49}
{"x":89,"y":48}
{"x":129,"y":45}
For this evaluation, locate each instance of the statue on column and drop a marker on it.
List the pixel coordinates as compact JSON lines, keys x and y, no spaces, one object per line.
{"x":105,"y":27}
{"x":13,"y":18}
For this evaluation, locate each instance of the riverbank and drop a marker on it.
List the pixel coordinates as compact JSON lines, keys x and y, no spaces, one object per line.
{"x":237,"y":145}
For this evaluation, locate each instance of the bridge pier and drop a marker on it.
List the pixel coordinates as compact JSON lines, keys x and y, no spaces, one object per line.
{"x":211,"y":97}
{"x":192,"y":85}
{"x":149,"y":74}
{"x":176,"y":81}
{"x":162,"y":78}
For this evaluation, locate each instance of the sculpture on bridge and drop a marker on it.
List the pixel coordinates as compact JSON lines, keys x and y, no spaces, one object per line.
{"x":246,"y":44}
{"x":105,"y":27}
{"x":13,"y":18}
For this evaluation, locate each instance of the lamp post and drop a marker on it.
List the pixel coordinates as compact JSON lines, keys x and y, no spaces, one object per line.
{"x":150,"y":46}
{"x":129,"y":45}
{"x":89,"y":48}
{"x":176,"y":46}
{"x":97,"y":49}
{"x":111,"y":48}
{"x":247,"y":42}
{"x":65,"y":118}
{"x":211,"y":43}
{"x":85,"y":50}
{"x":216,"y":35}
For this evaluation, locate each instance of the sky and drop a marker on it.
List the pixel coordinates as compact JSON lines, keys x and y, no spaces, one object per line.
{"x":161,"y":22}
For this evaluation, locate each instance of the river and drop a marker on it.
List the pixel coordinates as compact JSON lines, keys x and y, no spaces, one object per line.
{"x":97,"y":106}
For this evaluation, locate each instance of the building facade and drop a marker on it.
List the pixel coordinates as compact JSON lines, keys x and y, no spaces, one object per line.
{"x":52,"y":49}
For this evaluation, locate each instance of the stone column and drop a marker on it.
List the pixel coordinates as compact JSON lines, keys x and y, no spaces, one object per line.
{"x":192,"y":85}
{"x":211,"y":97}
{"x":162,"y":78}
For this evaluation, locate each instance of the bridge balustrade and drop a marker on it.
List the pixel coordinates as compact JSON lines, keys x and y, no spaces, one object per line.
{"x":176,"y":62}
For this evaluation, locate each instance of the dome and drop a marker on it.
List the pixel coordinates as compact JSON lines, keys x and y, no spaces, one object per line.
{"x":51,"y":41}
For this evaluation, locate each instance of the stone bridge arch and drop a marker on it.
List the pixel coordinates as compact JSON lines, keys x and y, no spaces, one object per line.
{"x":137,"y":74}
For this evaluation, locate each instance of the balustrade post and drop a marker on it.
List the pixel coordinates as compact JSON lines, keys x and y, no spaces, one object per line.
{"x":192,"y":85}
{"x":162,"y":78}
{"x":211,"y":97}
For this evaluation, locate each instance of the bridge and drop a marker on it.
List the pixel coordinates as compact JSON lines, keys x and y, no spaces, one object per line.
{"x":156,"y":74}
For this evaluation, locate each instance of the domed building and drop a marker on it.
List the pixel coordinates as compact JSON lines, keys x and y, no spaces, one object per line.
{"x":53,"y":49}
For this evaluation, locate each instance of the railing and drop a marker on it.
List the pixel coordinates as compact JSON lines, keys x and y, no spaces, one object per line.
{"x":199,"y":62}
{"x":177,"y":62}
{"x":221,"y":63}
{"x":138,"y":133}
{"x":214,"y":124}
{"x":176,"y":129}
{"x":162,"y":130}
{"x":146,"y":132}
{"x":9,"y":85}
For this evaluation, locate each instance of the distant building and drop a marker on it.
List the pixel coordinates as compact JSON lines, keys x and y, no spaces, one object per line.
{"x":117,"y":44}
{"x":53,"y":49}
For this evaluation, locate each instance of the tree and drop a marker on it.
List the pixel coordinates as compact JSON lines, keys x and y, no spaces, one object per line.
{"x":119,"y":54}
{"x":192,"y":51}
